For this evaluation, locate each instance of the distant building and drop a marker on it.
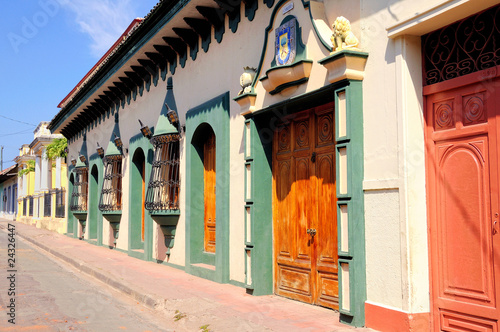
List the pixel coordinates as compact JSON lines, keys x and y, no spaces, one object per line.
{"x":8,"y":193}
{"x":42,"y":185}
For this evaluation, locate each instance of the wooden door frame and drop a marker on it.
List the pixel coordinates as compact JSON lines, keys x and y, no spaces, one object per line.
{"x":350,"y":203}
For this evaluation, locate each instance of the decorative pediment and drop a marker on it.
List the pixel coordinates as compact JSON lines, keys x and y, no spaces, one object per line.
{"x":290,"y":66}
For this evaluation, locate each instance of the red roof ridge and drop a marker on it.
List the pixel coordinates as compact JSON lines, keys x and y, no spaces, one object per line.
{"x":135,"y":23}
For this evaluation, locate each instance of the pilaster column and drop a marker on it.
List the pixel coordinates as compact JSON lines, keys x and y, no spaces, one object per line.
{"x":58,"y":172}
{"x":25,"y":182}
{"x":45,"y":173}
{"x":20,"y":187}
{"x":37,"y":173}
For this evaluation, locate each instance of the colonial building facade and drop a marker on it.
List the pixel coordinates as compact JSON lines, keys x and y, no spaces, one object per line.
{"x":8,"y":193}
{"x":41,"y":197}
{"x":276,"y":145}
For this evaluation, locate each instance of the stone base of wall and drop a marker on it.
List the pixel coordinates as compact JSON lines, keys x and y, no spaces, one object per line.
{"x":385,"y":319}
{"x":54,"y":225}
{"x":7,"y":216}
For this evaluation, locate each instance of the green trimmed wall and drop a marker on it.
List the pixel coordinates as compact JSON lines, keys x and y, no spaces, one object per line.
{"x":262,"y":126}
{"x":354,"y":258}
{"x":94,"y":222}
{"x":212,"y":114}
{"x":258,"y":208}
{"x":72,"y":226}
{"x":140,"y":145}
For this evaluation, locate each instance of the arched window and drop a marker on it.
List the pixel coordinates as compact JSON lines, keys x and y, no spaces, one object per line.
{"x":163,"y":187}
{"x":111,"y":194}
{"x":80,"y":189}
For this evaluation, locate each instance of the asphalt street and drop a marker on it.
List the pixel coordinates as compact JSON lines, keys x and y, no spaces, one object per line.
{"x":38,"y":293}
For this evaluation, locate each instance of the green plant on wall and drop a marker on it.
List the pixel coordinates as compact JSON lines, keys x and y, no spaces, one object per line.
{"x":58,"y":148}
{"x":30,"y":167}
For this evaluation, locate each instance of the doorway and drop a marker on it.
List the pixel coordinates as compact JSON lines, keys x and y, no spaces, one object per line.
{"x":138,"y":197}
{"x":304,"y":208}
{"x":463,"y":182}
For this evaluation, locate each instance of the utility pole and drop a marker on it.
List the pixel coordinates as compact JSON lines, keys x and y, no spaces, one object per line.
{"x":1,"y":159}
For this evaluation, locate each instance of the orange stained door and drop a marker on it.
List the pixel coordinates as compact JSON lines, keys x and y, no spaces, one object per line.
{"x":462,"y":172}
{"x":304,"y":208}
{"x":209,"y":192}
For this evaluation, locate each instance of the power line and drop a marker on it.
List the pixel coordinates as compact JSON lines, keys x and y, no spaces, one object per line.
{"x":2,"y":116}
{"x":17,"y":133}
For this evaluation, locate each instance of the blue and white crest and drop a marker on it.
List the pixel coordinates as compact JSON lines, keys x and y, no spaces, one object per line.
{"x":286,"y":43}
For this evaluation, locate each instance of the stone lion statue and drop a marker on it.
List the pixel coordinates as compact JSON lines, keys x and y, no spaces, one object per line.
{"x":342,"y":36}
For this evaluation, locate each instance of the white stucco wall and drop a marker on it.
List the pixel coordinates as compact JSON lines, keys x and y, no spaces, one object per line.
{"x":394,"y":158}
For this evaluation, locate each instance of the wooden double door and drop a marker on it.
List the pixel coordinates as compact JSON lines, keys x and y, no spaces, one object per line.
{"x":462,"y":136}
{"x":304,"y":208}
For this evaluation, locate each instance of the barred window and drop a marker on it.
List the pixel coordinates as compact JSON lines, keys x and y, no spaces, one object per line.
{"x":163,"y":187}
{"x":60,"y":203}
{"x":111,"y":194}
{"x":80,"y":189}
{"x":30,"y":210}
{"x":25,"y":205}
{"x":47,"y":203}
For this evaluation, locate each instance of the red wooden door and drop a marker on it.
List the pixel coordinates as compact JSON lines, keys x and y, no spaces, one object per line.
{"x":304,"y":208}
{"x":462,"y":163}
{"x":209,"y":192}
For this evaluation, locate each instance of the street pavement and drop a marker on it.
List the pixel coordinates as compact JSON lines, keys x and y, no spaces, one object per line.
{"x":186,"y":302}
{"x":52,"y":296}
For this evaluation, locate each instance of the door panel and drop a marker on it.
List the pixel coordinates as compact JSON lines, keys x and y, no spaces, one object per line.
{"x":209,"y":192}
{"x":304,"y":209}
{"x":303,"y":201}
{"x":463,"y":206}
{"x":327,"y":248}
{"x":284,"y":209}
{"x":464,"y":221}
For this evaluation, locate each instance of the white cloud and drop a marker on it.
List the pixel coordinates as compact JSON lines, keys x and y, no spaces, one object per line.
{"x":103,"y":20}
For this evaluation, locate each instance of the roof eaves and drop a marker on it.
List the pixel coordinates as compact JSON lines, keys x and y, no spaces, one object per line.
{"x":162,"y":9}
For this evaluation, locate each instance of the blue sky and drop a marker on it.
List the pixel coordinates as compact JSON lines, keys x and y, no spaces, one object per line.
{"x":46,"y":48}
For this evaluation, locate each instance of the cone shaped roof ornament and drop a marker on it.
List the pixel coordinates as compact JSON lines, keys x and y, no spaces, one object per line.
{"x":113,"y":149}
{"x":83,"y":153}
{"x":168,"y":120}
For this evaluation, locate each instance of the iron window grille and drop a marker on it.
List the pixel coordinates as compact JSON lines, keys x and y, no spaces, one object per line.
{"x":164,"y":183}
{"x":111,"y":194}
{"x":47,"y":204}
{"x":60,"y":203}
{"x":461,"y":48}
{"x":80,"y":189}
{"x":30,"y":211}
{"x":25,"y":203}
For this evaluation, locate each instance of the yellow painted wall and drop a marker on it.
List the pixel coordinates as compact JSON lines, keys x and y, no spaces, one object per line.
{"x":31,"y":183}
{"x":64,"y":176}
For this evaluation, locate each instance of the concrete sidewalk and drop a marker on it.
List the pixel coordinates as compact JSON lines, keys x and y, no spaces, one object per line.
{"x":190,"y":302}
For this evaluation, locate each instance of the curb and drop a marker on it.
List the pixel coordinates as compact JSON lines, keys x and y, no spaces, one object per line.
{"x":147,"y":300}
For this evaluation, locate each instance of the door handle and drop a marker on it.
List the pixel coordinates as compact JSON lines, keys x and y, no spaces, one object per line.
{"x":495,"y":224}
{"x":311,"y":231}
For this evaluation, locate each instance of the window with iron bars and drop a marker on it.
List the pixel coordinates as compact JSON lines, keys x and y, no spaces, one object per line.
{"x":30,"y":210}
{"x":464,"y":47}
{"x":47,"y":204}
{"x":60,"y":203}
{"x":163,"y":187}
{"x":25,"y":205}
{"x":111,"y":194}
{"x":80,"y":189}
